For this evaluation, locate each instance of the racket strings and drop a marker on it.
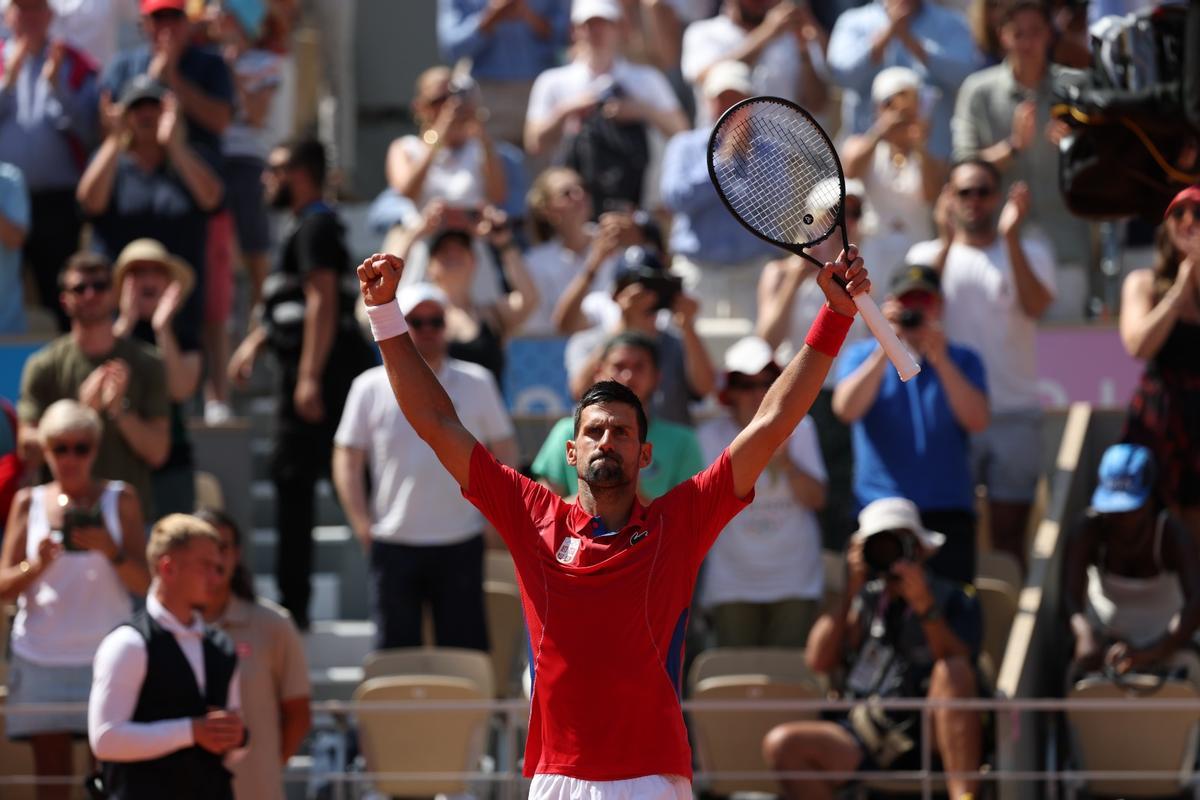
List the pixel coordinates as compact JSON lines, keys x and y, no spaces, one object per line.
{"x":778,"y":172}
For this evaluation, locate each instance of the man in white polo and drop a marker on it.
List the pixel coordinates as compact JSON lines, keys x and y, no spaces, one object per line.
{"x":425,"y":542}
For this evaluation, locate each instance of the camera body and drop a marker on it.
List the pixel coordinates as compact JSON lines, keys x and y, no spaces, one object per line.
{"x":912,"y":318}
{"x":883,"y":549}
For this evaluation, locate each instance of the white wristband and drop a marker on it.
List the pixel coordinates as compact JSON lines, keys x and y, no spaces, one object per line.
{"x":386,"y":321}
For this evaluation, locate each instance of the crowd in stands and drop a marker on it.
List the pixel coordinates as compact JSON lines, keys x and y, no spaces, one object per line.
{"x":555,"y":185}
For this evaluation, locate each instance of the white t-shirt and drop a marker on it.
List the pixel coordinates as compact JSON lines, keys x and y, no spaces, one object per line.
{"x":556,"y":86}
{"x":552,"y":268}
{"x":414,"y":500}
{"x":259,"y":69}
{"x":455,"y":176}
{"x":93,"y":25}
{"x":772,"y":550}
{"x":775,"y":72}
{"x":983,"y":313}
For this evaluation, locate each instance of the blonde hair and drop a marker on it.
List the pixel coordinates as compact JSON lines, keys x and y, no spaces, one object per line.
{"x":538,"y":200}
{"x":68,"y":416}
{"x":175,"y":532}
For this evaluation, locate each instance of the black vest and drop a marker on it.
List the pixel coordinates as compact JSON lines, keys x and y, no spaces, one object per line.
{"x":169,"y":691}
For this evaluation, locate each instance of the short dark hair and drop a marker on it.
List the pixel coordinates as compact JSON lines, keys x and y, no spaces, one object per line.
{"x":308,"y":154}
{"x":84,"y":262}
{"x":1011,"y":8}
{"x":632,"y":339}
{"x":240,"y":583}
{"x":612,"y":392}
{"x":976,"y":161}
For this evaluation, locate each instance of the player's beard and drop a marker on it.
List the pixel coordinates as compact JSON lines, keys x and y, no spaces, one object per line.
{"x":605,"y":472}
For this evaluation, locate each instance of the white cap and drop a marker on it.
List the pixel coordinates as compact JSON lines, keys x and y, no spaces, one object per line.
{"x":893,"y":80}
{"x":414,"y":294}
{"x":895,"y":513}
{"x":728,"y":76}
{"x":749,"y":355}
{"x":583,"y":10}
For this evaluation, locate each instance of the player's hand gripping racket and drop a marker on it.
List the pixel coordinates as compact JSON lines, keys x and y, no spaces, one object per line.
{"x":777,"y":172}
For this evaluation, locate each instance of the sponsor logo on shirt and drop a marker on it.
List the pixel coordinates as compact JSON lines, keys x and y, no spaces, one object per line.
{"x":568,"y":550}
{"x":637,"y":537}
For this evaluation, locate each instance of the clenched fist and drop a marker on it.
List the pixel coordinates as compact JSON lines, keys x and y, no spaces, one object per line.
{"x":378,"y":277}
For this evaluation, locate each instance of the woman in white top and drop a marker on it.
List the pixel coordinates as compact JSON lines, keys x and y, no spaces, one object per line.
{"x":566,"y":243}
{"x":453,"y":159}
{"x":902,"y":179}
{"x":73,"y":554}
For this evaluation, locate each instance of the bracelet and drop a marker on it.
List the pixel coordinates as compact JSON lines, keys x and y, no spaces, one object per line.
{"x":828,"y":331}
{"x":386,"y":321}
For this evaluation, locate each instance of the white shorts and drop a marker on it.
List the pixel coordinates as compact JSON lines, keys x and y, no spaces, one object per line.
{"x":648,"y":787}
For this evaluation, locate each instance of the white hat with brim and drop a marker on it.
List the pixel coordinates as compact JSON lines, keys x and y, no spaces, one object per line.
{"x":414,"y":294}
{"x":583,"y":10}
{"x":895,"y":513}
{"x":749,"y":355}
{"x":151,"y":251}
{"x":893,"y":80}
{"x":728,"y":76}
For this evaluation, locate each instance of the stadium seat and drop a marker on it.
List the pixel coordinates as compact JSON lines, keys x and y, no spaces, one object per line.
{"x":506,"y":630}
{"x":777,"y":664}
{"x":16,"y":758}
{"x":998,"y":601}
{"x":448,"y":662}
{"x":1001,"y":566}
{"x":1157,"y":740}
{"x":421,"y":741}
{"x":731,"y":741}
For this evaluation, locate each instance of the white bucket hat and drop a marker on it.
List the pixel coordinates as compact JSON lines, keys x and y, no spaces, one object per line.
{"x":895,"y":513}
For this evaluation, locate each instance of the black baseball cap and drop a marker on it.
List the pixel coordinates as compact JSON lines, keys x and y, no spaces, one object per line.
{"x":916,"y":277}
{"x":142,"y":87}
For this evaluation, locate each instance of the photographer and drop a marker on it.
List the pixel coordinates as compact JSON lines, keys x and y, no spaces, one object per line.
{"x":73,"y":555}
{"x":642,"y":289}
{"x":1131,"y":575}
{"x":913,"y":440}
{"x":452,"y":158}
{"x":900,"y":632}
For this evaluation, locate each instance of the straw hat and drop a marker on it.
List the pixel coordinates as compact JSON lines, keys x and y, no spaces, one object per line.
{"x":141,"y":251}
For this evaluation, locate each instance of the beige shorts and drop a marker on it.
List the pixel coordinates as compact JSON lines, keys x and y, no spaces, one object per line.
{"x":647,"y":787}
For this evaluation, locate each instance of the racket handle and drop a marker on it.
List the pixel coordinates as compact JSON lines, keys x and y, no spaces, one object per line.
{"x":897,"y":353}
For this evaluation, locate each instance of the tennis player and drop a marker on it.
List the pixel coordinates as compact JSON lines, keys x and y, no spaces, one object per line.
{"x":606,"y":582}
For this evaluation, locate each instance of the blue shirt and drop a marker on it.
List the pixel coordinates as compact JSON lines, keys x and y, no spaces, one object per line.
{"x":948,"y":44}
{"x":48,"y":131}
{"x":201,"y":67}
{"x":909,"y":444}
{"x":703,"y":228}
{"x":511,"y":52}
{"x":14,"y":205}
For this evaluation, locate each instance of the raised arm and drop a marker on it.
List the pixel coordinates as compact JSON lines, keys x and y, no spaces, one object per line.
{"x":421,"y":397}
{"x":791,"y":396}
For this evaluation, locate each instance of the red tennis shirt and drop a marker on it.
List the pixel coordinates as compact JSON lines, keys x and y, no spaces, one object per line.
{"x":607,"y":613}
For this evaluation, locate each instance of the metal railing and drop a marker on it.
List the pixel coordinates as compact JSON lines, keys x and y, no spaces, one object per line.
{"x":512,"y":714}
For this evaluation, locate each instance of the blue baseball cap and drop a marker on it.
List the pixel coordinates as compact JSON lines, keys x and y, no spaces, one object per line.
{"x":1126,"y":479}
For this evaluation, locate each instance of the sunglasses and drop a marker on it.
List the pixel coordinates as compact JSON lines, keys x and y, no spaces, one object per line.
{"x":979,"y":192}
{"x":1180,"y":211}
{"x":432,"y":323}
{"x":97,"y":286}
{"x":77,"y":449}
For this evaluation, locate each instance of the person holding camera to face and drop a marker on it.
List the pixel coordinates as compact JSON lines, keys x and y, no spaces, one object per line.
{"x":901,"y":631}
{"x":913,"y":440}
{"x":643,"y":289}
{"x":72,"y":556}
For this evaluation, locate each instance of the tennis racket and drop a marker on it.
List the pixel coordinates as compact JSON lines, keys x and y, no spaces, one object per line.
{"x":779,"y":175}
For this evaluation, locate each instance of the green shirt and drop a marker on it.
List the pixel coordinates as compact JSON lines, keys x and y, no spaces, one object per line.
{"x":676,"y":457}
{"x":60,"y":368}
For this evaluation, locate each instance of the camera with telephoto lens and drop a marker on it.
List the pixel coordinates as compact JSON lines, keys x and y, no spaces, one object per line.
{"x":883,"y":549}
{"x":912,"y":318}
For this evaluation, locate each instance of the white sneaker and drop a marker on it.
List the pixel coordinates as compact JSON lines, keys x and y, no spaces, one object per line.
{"x":216,"y":413}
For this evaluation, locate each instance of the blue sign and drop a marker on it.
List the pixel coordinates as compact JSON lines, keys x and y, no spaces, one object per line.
{"x":13,"y":355}
{"x":535,"y":378}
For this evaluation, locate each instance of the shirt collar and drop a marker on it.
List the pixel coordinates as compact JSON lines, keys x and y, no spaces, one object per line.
{"x":582,"y":523}
{"x":166,"y":619}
